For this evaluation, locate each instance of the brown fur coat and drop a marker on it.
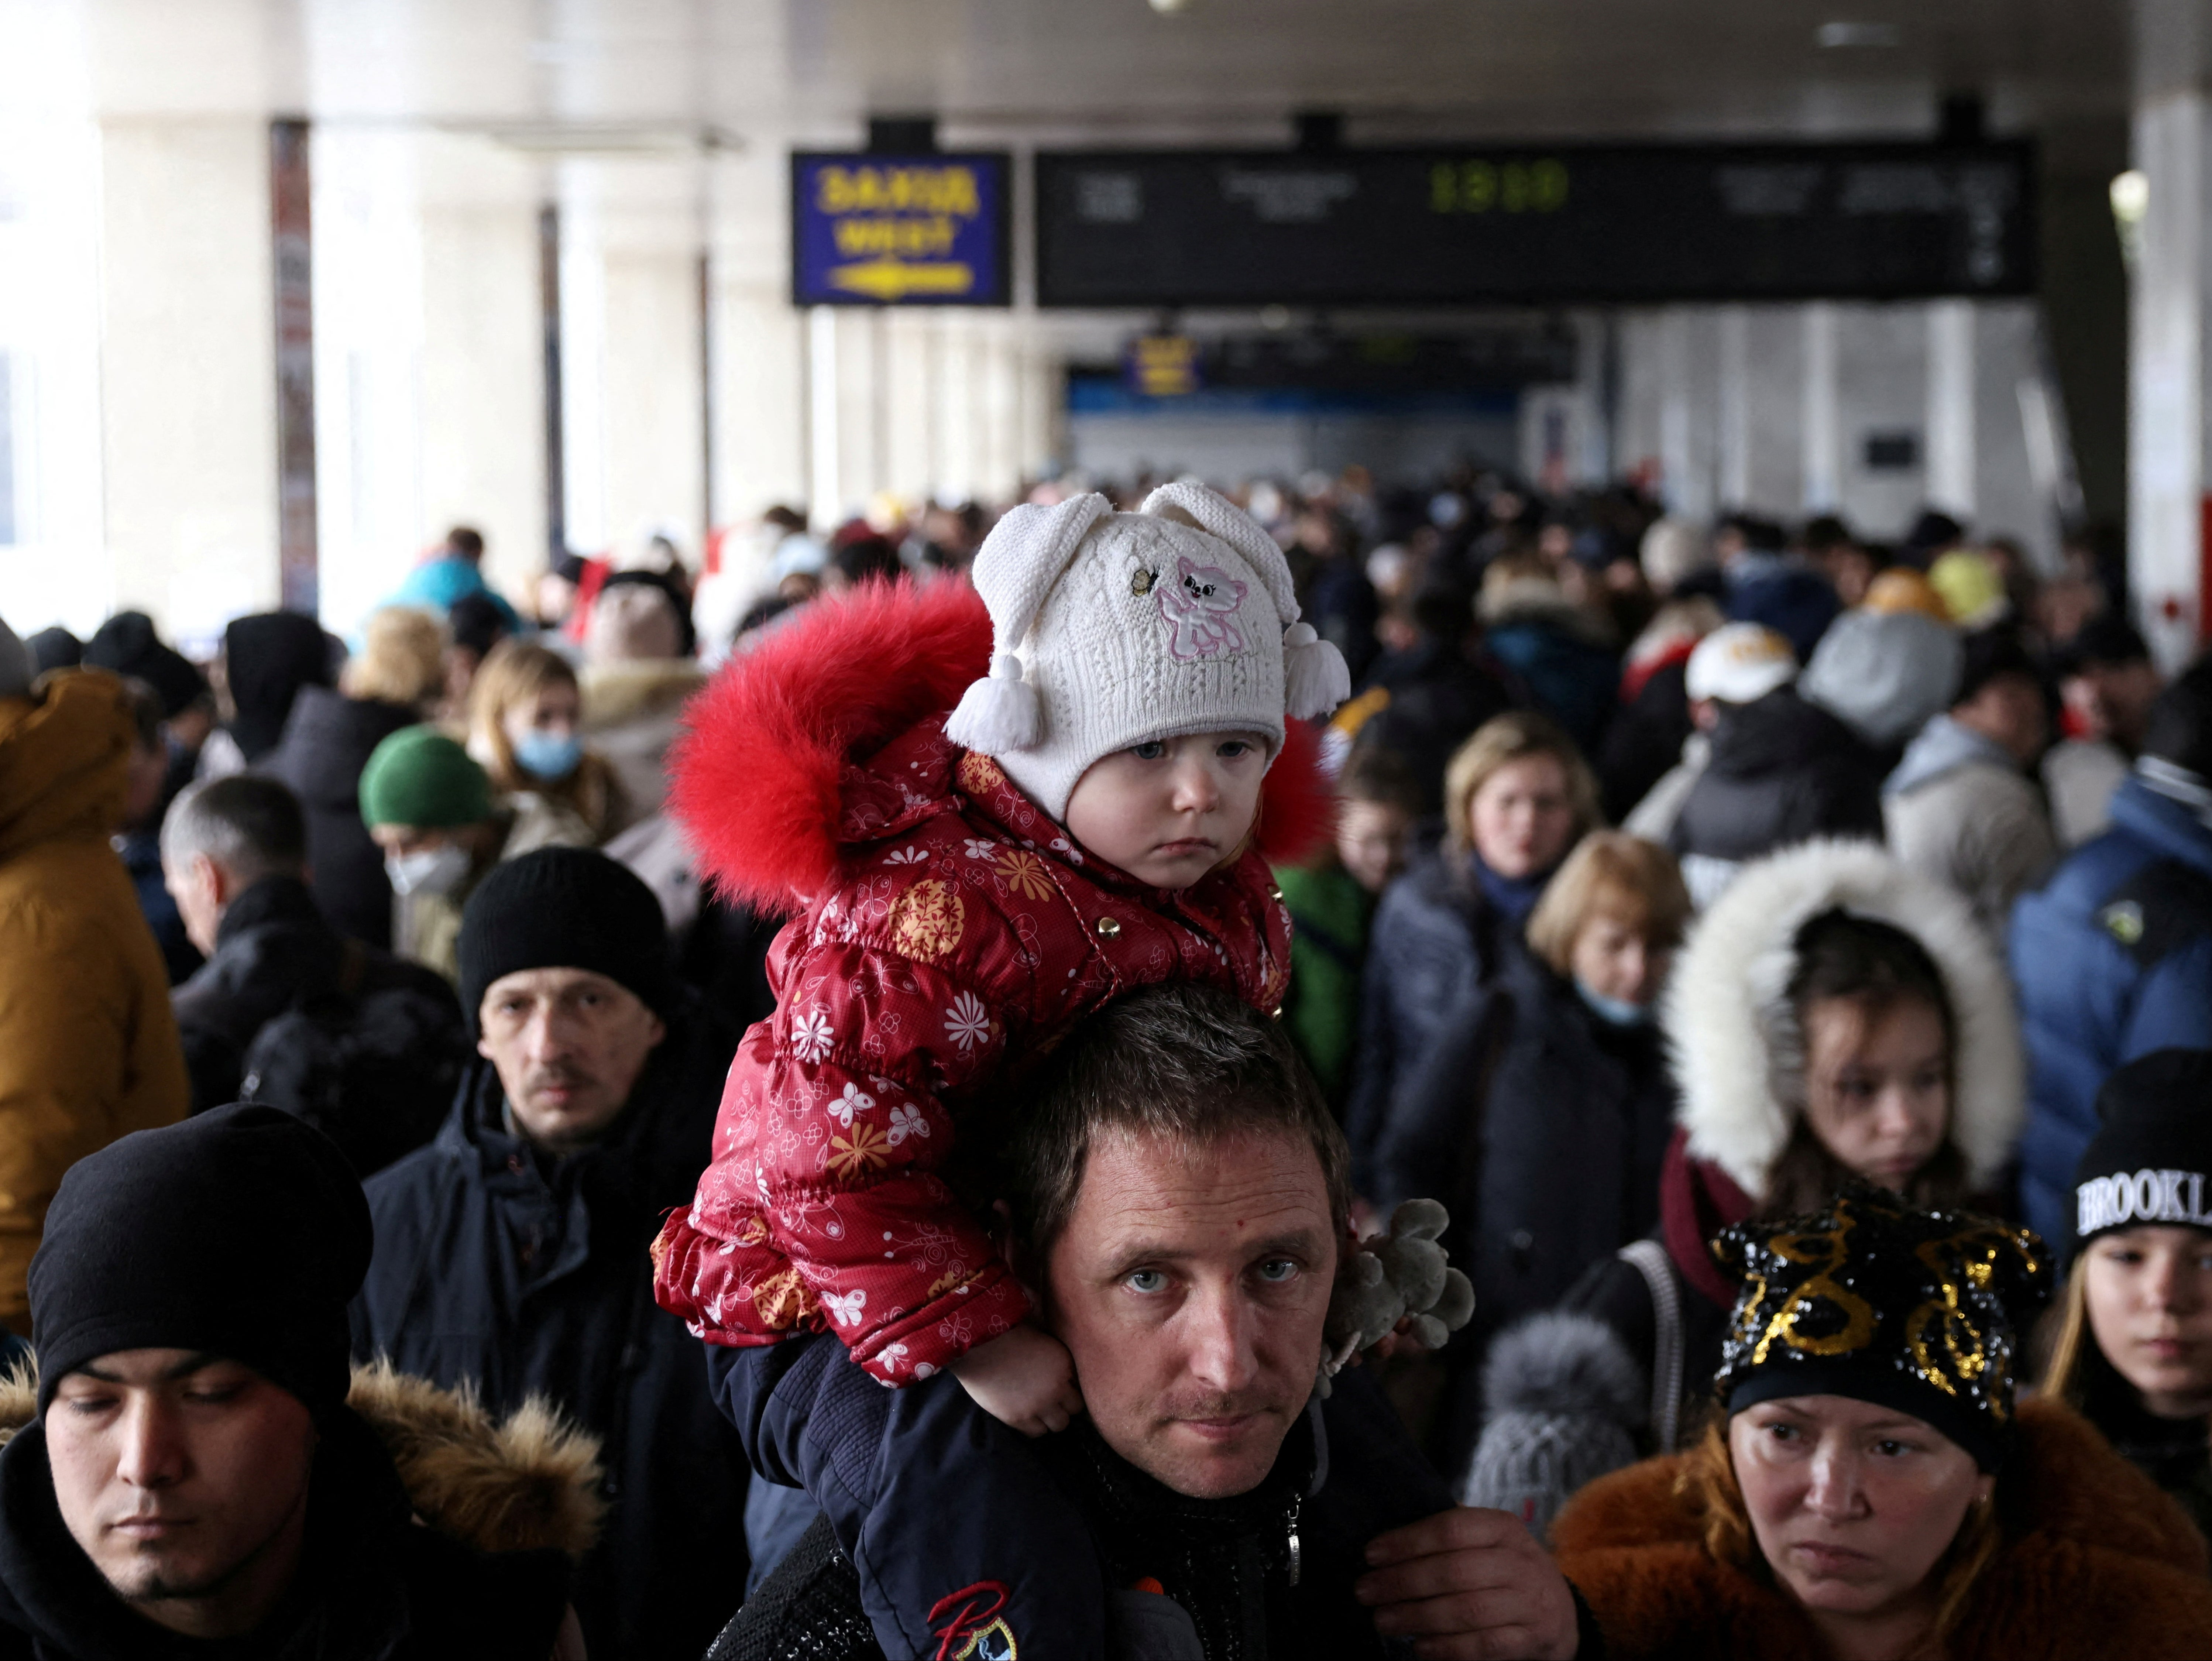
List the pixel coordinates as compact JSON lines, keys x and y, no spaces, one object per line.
{"x":2095,"y":1562}
{"x":530,"y":1482}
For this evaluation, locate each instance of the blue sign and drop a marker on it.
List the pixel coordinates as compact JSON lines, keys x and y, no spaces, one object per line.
{"x":900,"y":230}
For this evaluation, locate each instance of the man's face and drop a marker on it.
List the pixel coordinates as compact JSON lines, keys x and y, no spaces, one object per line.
{"x":184,"y":1478}
{"x":1190,"y":1285}
{"x":568,"y":1046}
{"x":195,"y":884}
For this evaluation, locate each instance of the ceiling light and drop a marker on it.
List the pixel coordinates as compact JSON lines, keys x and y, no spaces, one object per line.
{"x":1164,"y":7}
{"x":1842,"y":33}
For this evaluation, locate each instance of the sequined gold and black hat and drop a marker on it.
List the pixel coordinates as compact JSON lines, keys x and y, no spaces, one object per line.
{"x":1917,"y":1310}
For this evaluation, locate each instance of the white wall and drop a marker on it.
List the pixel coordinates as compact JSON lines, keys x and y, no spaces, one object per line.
{"x":188,"y":368}
{"x":1769,"y":408}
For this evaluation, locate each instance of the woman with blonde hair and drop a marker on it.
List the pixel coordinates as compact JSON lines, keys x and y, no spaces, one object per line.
{"x":1517,"y":796}
{"x":1869,"y":1488}
{"x":525,"y":716}
{"x":402,"y":660}
{"x":2133,"y":1344}
{"x":1542,"y":1116}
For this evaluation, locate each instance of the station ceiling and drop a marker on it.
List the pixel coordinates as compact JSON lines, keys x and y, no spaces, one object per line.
{"x":772,"y":72}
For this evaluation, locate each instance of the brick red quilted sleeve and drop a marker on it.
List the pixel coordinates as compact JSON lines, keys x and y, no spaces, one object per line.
{"x":823,"y":1209}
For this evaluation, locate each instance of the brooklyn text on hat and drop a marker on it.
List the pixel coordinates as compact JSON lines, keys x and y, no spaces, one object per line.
{"x":1115,"y":630}
{"x":2144,"y":1197}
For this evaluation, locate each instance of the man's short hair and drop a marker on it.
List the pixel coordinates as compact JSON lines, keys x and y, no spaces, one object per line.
{"x":252,"y":827}
{"x":1179,"y":1061}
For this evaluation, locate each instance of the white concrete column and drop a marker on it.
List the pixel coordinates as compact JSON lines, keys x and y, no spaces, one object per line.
{"x":2167,"y":452}
{"x":1951,"y":398}
{"x":654,"y":443}
{"x":824,"y":454}
{"x":1734,"y":435}
{"x":1677,"y":474}
{"x":187,"y":368}
{"x":1820,"y":424}
{"x":54,"y":565}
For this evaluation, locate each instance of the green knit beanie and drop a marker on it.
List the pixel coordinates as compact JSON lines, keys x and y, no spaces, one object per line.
{"x":420,"y":778}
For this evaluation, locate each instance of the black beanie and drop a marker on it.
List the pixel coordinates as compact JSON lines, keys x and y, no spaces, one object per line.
{"x":2150,"y":1161}
{"x":1919,"y":1311}
{"x":126,"y":644}
{"x":1989,"y":653}
{"x":565,"y":908}
{"x":243,"y":1232}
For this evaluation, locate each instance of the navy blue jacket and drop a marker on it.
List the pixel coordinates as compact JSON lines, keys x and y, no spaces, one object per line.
{"x":498,"y":1265}
{"x":1541,"y":1129}
{"x":929,"y":1495}
{"x":1436,"y":942}
{"x":2113,"y":959}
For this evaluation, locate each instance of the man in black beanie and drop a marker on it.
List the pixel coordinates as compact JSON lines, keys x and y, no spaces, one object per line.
{"x":195,"y":1484}
{"x":511,"y":1253}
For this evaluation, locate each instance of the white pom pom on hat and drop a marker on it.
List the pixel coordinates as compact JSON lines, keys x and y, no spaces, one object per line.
{"x":1113,"y":629}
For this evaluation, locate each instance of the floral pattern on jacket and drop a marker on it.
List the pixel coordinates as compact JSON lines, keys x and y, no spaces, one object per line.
{"x":964,"y":936}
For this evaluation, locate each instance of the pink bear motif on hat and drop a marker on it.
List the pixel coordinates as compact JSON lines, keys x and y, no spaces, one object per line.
{"x":1200,"y":610}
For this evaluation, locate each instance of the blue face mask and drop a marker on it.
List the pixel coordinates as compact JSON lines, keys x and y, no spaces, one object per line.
{"x":549,"y":757}
{"x":1614,"y":1012}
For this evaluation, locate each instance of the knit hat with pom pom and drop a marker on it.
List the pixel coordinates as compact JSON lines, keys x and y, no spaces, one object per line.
{"x":1115,"y":629}
{"x":1564,"y":1400}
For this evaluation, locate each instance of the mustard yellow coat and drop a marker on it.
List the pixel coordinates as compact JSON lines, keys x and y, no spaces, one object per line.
{"x":89,"y":1048}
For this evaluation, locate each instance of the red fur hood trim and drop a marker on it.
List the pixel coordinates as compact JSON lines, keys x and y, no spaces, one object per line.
{"x":756,"y":779}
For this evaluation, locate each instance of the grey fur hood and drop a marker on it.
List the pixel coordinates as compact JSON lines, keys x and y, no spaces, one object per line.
{"x":1726,"y":1007}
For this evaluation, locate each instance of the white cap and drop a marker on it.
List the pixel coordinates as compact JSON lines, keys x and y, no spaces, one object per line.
{"x":1740,"y":663}
{"x":1113,"y":629}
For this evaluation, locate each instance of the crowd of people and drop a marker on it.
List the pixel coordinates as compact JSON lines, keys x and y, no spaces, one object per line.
{"x":888,"y":1097}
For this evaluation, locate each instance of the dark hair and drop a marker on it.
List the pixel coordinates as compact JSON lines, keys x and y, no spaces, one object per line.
{"x":466,"y":541}
{"x":1823,"y":532}
{"x":1187,"y":1062}
{"x":1442,"y":610}
{"x":147,"y":713}
{"x":1877,"y":966}
{"x":868,"y":559}
{"x":253,"y":827}
{"x":1383,"y":776}
{"x":476,"y":622}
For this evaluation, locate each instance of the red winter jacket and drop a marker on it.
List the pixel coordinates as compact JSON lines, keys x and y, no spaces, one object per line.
{"x":948,"y":934}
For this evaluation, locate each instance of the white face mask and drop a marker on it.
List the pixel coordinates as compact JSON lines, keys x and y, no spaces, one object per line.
{"x":429,"y":871}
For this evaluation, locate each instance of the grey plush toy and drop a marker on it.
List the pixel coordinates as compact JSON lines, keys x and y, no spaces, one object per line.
{"x":1390,"y":1277}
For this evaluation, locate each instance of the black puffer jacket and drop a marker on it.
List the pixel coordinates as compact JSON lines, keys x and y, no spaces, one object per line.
{"x":328,"y":739}
{"x":1436,"y":942}
{"x":1781,"y":771}
{"x":373,"y":1585}
{"x":289,"y":1000}
{"x":499,"y":1265}
{"x":1542,"y":1128}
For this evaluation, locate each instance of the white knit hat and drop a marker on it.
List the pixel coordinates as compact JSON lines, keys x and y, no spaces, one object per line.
{"x":1113,"y":629}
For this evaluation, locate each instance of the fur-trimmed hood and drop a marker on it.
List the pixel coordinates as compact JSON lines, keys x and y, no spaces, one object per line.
{"x":1729,"y":987}
{"x":758,"y":780}
{"x":529,"y":1482}
{"x":2094,"y":1561}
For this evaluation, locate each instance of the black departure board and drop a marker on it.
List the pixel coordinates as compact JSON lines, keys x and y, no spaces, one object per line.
{"x":1489,"y":225}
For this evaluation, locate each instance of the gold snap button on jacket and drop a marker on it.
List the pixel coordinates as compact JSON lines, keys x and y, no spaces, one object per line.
{"x":1108,"y":929}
